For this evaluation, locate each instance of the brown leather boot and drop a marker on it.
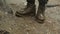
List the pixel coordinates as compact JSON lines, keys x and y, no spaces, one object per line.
{"x":27,"y":10}
{"x":40,"y":17}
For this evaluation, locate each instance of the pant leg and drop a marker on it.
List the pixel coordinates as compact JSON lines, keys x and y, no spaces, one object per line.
{"x":31,"y":1}
{"x":42,"y":2}
{"x":41,"y":7}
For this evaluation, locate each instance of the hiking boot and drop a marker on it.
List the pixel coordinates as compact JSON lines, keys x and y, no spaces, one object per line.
{"x":29,"y":9}
{"x":40,"y":17}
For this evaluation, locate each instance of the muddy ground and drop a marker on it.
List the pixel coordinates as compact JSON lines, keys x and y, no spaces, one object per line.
{"x":27,"y":25}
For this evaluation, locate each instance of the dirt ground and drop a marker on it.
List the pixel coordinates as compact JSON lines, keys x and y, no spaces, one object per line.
{"x":27,"y":25}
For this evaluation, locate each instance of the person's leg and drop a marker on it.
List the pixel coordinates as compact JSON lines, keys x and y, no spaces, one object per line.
{"x":40,"y":16}
{"x":30,"y":2}
{"x":30,"y":7}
